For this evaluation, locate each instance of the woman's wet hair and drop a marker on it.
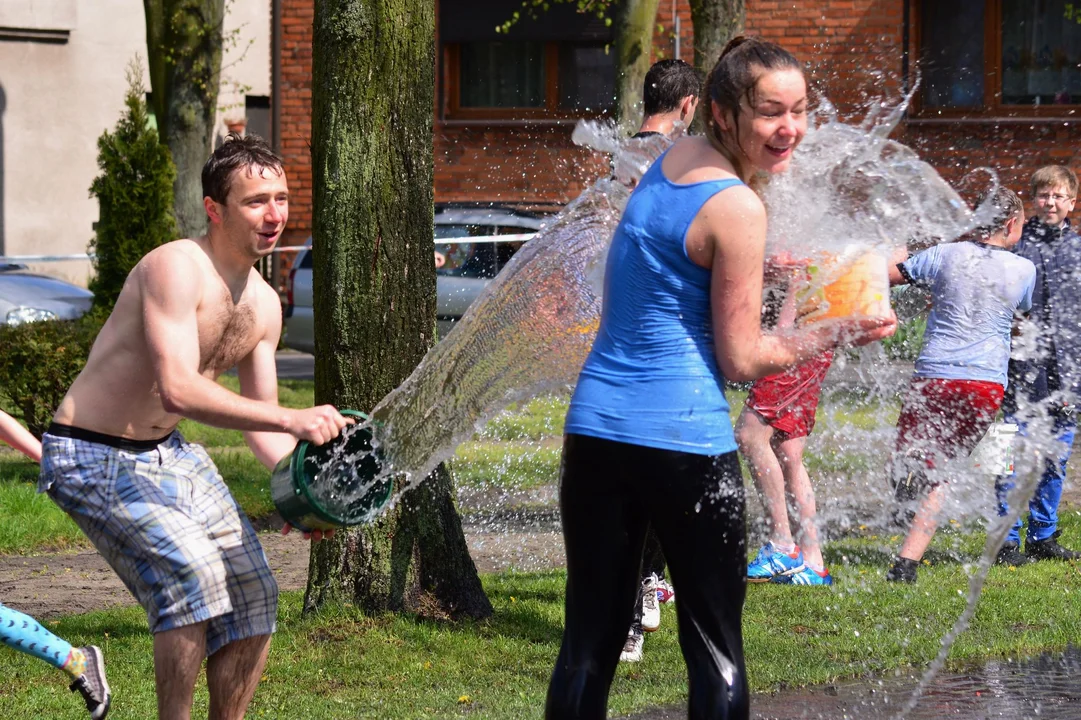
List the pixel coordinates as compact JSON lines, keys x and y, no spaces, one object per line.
{"x":734,"y":79}
{"x":236,"y":152}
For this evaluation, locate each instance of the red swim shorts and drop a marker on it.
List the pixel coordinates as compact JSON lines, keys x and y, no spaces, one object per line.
{"x":946,"y":418}
{"x":788,"y":400}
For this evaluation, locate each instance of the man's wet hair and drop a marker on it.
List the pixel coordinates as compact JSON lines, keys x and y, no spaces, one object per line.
{"x":1050,"y":176}
{"x":237,"y":152}
{"x":1005,"y":204}
{"x":667,"y":83}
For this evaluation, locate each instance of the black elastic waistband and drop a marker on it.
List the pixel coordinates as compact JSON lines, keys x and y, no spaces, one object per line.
{"x":120,"y":443}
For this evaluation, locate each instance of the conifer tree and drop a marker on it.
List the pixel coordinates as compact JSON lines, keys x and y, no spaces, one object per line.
{"x":135,"y":196}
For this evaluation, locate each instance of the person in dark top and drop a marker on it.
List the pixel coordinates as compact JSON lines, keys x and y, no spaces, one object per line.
{"x":669,"y":96}
{"x":1044,"y":386}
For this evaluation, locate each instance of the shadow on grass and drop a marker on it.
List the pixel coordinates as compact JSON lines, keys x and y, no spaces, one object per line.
{"x":14,"y":468}
{"x":526,"y":607}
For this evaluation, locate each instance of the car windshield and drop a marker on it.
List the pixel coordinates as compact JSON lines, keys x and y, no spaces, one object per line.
{"x":465,"y":259}
{"x":474,"y":259}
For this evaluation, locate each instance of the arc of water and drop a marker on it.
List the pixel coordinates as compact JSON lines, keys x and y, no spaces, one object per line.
{"x":1032,"y":453}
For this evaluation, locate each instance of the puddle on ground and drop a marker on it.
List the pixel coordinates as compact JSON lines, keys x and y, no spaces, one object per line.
{"x":1047,"y":686}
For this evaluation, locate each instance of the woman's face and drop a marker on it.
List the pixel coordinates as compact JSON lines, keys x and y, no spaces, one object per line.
{"x":772,"y":120}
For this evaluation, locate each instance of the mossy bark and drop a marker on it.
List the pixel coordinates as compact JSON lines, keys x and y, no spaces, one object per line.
{"x":374,"y":279}
{"x":634,"y":46}
{"x":715,"y":23}
{"x":184,"y":50}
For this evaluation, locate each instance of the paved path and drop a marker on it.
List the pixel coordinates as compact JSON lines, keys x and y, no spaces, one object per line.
{"x":293,"y":365}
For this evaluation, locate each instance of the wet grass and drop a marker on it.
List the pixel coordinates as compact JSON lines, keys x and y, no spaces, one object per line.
{"x":341,"y":663}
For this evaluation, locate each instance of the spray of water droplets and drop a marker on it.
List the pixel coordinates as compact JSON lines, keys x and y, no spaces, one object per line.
{"x":849,"y":186}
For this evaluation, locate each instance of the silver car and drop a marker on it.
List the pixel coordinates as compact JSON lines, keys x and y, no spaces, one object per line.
{"x":467,"y":256}
{"x":28,"y":297}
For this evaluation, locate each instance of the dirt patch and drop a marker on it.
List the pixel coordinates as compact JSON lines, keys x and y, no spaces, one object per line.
{"x":53,"y":584}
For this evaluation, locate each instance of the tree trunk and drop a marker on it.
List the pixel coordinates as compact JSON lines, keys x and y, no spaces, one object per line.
{"x":634,"y":45}
{"x":373,"y":77}
{"x":715,"y":23}
{"x":184,"y":48}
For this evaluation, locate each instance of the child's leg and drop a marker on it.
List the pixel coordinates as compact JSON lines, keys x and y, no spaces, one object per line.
{"x":754,"y":436}
{"x":798,"y":484}
{"x":924,"y":524}
{"x":23,"y":633}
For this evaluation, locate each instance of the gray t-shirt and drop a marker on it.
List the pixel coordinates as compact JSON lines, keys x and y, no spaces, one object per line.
{"x":975,"y":291}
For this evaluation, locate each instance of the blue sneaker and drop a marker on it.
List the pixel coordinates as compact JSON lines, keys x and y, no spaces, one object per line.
{"x":771,"y":564}
{"x":804,"y":576}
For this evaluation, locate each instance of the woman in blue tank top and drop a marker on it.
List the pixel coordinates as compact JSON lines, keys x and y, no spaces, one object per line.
{"x":648,"y":437}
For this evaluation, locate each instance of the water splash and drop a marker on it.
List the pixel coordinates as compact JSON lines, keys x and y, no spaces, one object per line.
{"x":527,"y":333}
{"x":530,"y":330}
{"x":851,"y":184}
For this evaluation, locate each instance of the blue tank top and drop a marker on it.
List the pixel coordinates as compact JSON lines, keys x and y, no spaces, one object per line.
{"x":652,"y":377}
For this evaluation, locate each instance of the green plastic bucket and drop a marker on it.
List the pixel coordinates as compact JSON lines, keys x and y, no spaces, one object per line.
{"x":292,"y":480}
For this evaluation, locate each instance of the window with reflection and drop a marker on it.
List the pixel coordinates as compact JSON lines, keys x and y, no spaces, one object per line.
{"x":1010,"y":57}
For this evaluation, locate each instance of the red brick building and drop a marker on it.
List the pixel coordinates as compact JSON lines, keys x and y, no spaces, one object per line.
{"x":1000,"y":86}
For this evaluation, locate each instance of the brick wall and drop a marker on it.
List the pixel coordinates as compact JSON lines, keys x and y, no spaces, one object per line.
{"x":533,"y":165}
{"x":853,"y":50}
{"x":296,"y":114}
{"x":1013,"y":149}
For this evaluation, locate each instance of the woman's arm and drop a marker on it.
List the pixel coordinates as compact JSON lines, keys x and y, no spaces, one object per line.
{"x":736,"y":220}
{"x":19,"y":437}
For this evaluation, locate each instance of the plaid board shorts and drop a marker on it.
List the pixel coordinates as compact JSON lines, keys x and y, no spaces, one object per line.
{"x":165,"y":521}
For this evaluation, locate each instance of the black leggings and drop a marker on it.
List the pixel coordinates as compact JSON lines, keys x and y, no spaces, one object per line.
{"x":609,"y":494}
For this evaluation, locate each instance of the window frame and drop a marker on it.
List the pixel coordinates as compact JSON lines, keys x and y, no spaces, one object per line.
{"x":992,"y":107}
{"x":453,"y":110}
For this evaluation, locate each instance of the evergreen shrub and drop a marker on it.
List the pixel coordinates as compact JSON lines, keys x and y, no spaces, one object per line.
{"x":135,"y":196}
{"x":39,"y":362}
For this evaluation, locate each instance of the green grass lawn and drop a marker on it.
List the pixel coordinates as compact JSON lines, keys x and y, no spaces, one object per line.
{"x":342,"y":664}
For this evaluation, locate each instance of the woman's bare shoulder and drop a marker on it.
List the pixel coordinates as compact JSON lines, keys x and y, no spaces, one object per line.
{"x":738,"y":204}
{"x":693,"y":160}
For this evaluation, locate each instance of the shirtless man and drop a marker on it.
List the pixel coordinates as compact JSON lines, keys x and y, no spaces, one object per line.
{"x":154,"y":505}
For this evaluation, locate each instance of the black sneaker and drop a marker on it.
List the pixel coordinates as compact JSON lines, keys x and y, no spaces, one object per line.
{"x":1049,"y":549}
{"x":903,"y":570}
{"x":92,"y":684}
{"x":1010,"y":554}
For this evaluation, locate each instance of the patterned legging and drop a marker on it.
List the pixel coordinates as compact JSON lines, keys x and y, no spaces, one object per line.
{"x":23,"y":633}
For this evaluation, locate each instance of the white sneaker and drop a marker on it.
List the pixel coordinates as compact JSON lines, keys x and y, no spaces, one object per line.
{"x":665,"y":592}
{"x":651,"y":609}
{"x":632,"y":647}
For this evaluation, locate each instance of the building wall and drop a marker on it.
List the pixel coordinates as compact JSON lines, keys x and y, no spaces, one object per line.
{"x":530,"y":164}
{"x":62,"y":84}
{"x":853,"y":49}
{"x":533,"y":165}
{"x":295,"y":107}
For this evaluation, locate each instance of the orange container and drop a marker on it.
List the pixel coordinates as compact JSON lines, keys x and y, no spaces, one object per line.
{"x":854,"y":285}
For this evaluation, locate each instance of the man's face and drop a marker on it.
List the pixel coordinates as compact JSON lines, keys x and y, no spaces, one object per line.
{"x":1053,"y":204}
{"x":255,"y":210}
